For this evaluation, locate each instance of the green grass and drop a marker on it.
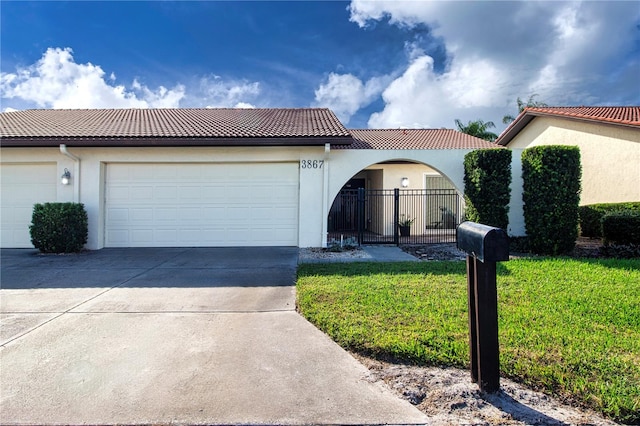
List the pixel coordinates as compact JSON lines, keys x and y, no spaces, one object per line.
{"x":568,"y":327}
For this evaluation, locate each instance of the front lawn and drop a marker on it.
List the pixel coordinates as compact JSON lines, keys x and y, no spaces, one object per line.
{"x":569,"y":327}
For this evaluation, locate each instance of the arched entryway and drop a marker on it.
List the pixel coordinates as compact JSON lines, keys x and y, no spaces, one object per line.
{"x":396,"y":202}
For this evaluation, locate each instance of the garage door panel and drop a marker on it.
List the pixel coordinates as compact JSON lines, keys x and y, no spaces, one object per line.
{"x":141,"y":236}
{"x":22,"y":186}
{"x":202,"y":204}
{"x":188,"y":193}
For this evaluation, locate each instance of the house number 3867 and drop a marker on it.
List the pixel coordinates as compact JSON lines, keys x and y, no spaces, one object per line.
{"x":311,"y":164}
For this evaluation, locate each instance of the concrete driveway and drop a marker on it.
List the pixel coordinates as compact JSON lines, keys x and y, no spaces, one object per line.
{"x":174,"y":335}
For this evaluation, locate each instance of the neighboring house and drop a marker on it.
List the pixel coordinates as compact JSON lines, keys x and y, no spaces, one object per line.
{"x":609,"y":142}
{"x":208,"y":177}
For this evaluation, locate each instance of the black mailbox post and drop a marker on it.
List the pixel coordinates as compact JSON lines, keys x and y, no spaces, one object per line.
{"x":484,"y":245}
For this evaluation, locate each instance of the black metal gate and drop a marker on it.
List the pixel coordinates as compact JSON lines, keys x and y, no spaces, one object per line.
{"x":396,"y":216}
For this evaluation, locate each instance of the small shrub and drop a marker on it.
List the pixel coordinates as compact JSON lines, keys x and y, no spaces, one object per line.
{"x":621,"y":251}
{"x":551,"y":194}
{"x":591,"y":216}
{"x":347,"y":244}
{"x":59,"y":227}
{"x":487,"y":176}
{"x":519,"y":245}
{"x":621,"y":227}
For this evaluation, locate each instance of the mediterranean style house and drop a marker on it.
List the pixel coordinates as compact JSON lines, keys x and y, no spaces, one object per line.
{"x":217,"y":177}
{"x":609,"y":142}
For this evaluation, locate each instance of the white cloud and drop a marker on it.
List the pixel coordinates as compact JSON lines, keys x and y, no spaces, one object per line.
{"x":244,"y":105}
{"x":57,"y":81}
{"x":497,"y":51}
{"x":420,"y":97}
{"x":216,"y":92}
{"x":345,"y":94}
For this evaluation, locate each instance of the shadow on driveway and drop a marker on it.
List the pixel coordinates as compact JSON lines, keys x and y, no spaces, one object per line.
{"x":150,"y":267}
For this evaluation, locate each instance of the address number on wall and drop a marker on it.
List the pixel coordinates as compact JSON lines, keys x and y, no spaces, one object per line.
{"x":311,"y":164}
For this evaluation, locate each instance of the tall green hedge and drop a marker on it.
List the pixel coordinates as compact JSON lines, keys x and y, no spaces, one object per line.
{"x":59,"y":227}
{"x":551,"y":194}
{"x":487,"y":176}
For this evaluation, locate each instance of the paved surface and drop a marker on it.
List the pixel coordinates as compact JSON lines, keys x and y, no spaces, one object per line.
{"x":173,"y":335}
{"x":379,"y":253}
{"x":388,"y":254}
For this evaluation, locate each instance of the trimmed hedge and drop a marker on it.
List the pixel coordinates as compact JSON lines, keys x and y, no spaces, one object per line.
{"x":59,"y":227}
{"x":487,"y":176}
{"x":591,"y":216}
{"x":621,"y":227}
{"x":551,"y":194}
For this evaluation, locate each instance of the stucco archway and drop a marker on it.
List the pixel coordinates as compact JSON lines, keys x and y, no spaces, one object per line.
{"x":345,"y":163}
{"x":384,"y":170}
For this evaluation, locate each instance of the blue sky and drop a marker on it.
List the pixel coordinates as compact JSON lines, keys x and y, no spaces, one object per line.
{"x":375,"y":63}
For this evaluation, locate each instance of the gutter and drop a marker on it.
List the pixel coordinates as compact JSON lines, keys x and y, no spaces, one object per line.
{"x":325,"y":195}
{"x":76,"y":172}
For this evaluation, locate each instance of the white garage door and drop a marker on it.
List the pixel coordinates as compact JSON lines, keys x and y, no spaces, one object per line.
{"x":22,"y":186}
{"x":201,"y":205}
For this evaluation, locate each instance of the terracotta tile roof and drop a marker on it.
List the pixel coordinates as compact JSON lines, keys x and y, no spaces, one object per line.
{"x":628,"y":116}
{"x":624,"y":115}
{"x":414,"y":139}
{"x":220,"y":126}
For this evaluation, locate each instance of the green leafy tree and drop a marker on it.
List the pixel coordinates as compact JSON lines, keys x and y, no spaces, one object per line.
{"x":478,"y":129}
{"x":507,"y":119}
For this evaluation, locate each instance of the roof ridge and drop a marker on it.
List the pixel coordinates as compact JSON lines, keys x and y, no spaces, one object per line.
{"x":401,"y":128}
{"x":173,"y":109}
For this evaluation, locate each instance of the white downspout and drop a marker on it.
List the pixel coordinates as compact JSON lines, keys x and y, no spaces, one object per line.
{"x":76,"y":172}
{"x":325,"y":194}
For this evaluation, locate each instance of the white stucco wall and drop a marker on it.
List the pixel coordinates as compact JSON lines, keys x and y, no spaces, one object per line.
{"x":393,"y":174}
{"x":610,"y":155}
{"x":318,"y":185}
{"x":90,"y":176}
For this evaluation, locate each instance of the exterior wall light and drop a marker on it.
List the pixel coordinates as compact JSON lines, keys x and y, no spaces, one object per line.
{"x":404,"y":182}
{"x":66,"y":177}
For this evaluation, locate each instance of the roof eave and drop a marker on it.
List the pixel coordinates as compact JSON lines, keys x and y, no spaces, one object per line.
{"x":32,"y":142}
{"x":527,"y":116}
{"x":514,"y":128}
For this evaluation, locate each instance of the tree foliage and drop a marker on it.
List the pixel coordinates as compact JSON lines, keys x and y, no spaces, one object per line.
{"x":478,"y":129}
{"x":507,"y":119}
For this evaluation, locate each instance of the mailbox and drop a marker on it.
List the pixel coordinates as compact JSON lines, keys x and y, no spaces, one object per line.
{"x":485,"y":243}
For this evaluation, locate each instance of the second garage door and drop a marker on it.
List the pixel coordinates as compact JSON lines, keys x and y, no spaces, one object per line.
{"x":22,"y":186}
{"x":201,"y":205}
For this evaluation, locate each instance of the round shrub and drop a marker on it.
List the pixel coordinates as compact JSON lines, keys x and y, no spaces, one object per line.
{"x":59,"y":227}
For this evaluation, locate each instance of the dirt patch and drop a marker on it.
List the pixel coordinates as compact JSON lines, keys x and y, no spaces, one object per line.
{"x":444,"y":251}
{"x":320,"y":255}
{"x":448,"y":397}
{"x":585,"y":248}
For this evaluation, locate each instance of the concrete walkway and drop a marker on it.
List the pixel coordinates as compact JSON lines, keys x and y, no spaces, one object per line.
{"x":157,"y":336}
